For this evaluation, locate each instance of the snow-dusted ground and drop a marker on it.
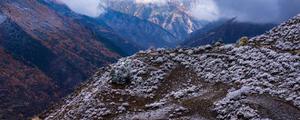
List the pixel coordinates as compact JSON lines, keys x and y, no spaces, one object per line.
{"x":285,"y":37}
{"x":256,"y":81}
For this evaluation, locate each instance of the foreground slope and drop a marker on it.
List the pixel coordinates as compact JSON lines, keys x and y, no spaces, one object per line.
{"x":255,"y":79}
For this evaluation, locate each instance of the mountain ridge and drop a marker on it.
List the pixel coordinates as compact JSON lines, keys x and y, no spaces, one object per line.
{"x":39,"y":45}
{"x":228,"y":31}
{"x":135,"y":29}
{"x":98,"y":27}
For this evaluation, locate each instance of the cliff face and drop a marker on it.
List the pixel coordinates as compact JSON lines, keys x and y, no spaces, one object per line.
{"x":43,"y":56}
{"x":255,"y":79}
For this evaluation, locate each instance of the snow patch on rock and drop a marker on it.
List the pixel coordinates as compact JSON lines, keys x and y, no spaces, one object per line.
{"x":2,"y":18}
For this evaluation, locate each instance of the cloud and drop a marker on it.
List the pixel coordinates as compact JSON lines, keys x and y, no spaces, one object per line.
{"x":90,"y":8}
{"x":205,"y":10}
{"x":158,"y":2}
{"x":258,"y":11}
{"x":288,"y":8}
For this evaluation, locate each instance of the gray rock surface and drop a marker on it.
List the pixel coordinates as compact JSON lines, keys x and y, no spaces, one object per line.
{"x":256,"y":81}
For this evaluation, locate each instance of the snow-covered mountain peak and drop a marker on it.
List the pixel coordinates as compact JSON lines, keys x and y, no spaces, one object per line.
{"x":173,"y":16}
{"x":2,"y":18}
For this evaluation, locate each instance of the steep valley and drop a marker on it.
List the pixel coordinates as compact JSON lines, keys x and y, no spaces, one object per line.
{"x":52,"y":54}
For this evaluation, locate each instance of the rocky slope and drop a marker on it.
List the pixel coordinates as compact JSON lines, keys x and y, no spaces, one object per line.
{"x":44,"y":54}
{"x":227,"y":32}
{"x":174,"y":16}
{"x":255,"y":79}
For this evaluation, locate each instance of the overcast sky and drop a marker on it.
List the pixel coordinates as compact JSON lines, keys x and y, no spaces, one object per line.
{"x":259,"y":11}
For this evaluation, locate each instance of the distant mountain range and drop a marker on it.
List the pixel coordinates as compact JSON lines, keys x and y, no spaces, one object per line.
{"x":141,"y":32}
{"x":226,"y":31}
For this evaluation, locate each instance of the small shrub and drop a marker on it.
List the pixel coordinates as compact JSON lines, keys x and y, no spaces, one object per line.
{"x":243,"y":41}
{"x":121,"y":74}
